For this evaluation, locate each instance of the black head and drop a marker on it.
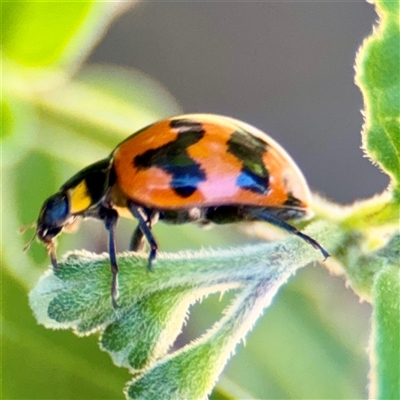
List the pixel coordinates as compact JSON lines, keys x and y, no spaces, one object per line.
{"x":53,"y":216}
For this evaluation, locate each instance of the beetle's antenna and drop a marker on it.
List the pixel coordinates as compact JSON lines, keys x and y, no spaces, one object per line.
{"x":26,"y":247}
{"x":24,"y":229}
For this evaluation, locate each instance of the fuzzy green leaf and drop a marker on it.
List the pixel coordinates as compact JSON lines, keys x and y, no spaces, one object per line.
{"x":192,"y":371}
{"x":377,"y":74}
{"x":156,"y":321}
{"x":153,"y":307}
{"x":385,"y":339}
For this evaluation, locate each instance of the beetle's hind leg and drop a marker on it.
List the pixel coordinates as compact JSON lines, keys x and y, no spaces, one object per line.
{"x":143,"y":231}
{"x":265,"y":215}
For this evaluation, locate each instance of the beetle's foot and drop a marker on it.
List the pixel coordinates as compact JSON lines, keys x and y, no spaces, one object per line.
{"x":114,"y":290}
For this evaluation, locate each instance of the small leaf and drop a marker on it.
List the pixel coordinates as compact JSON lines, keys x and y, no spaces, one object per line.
{"x":385,"y":338}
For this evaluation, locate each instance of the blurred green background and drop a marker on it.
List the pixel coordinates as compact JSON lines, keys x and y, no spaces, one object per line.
{"x":78,"y":77}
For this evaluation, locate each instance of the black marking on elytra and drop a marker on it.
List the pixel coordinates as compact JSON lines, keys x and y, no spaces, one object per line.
{"x":186,"y":125}
{"x":173,"y":158}
{"x":251,"y":181}
{"x":249,"y":150}
{"x":292,"y":201}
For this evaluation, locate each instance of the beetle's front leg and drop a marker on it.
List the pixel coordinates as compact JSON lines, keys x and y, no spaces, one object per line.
{"x":51,"y":249}
{"x":110,"y":218}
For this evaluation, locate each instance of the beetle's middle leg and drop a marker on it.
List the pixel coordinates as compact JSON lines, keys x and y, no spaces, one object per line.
{"x":143,"y":231}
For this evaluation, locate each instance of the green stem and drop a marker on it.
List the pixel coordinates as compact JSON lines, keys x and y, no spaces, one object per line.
{"x":385,"y":338}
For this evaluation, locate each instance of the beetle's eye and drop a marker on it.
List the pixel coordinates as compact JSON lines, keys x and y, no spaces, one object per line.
{"x":55,"y":210}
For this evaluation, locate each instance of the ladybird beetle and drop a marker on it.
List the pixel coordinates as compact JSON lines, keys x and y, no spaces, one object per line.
{"x":191,"y":168}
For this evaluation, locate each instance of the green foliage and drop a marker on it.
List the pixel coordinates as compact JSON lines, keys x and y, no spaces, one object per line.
{"x":51,"y":34}
{"x":153,"y":307}
{"x":55,"y":121}
{"x":386,"y":332}
{"x":378,"y":66}
{"x":193,"y":370}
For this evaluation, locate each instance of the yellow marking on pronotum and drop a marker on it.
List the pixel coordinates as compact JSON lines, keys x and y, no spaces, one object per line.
{"x":80,"y":198}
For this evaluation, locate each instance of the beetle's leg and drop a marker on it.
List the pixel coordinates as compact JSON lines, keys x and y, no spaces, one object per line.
{"x":138,"y":238}
{"x":137,"y":241}
{"x":264,"y":215}
{"x":110,"y":218}
{"x":51,"y":248}
{"x":145,"y":227}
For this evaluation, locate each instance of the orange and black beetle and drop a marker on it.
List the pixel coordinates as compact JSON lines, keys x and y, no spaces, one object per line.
{"x":191,"y":168}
